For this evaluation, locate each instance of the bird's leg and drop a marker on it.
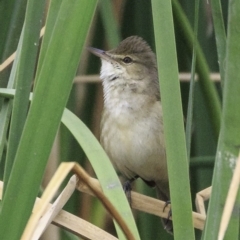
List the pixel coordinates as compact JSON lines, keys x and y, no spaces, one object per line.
{"x":166,"y":204}
{"x":128,"y":188}
{"x":169,"y":213}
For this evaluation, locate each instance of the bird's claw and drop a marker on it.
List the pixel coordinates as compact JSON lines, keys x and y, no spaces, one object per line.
{"x":166,"y":204}
{"x":169,"y":213}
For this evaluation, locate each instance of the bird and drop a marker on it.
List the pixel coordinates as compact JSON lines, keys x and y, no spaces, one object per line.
{"x":131,"y":129}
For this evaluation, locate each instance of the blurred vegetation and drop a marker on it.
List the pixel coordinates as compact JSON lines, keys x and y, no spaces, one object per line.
{"x":114,"y":21}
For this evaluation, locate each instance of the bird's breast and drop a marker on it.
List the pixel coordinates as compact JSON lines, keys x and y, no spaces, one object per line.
{"x":133,"y":139}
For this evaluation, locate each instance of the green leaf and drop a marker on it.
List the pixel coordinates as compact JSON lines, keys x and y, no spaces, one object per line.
{"x":212,"y":100}
{"x":23,"y":79}
{"x":51,"y":20}
{"x":7,"y":103}
{"x":192,"y":84}
{"x":50,"y":96}
{"x":229,"y":140}
{"x":220,"y":36}
{"x":173,"y":120}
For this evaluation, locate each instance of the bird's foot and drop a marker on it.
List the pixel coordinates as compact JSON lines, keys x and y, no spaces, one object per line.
{"x":128,"y":188}
{"x":166,"y":204}
{"x":166,"y":222}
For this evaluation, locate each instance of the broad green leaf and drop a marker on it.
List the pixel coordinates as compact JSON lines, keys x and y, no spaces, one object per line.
{"x":50,"y":96}
{"x":173,"y":120}
{"x":229,"y":140}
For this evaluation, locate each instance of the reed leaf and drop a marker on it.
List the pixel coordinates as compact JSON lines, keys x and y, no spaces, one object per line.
{"x":211,"y":96}
{"x":50,"y":97}
{"x":173,"y":120}
{"x":192,"y":84}
{"x":229,"y":140}
{"x":6,"y":108}
{"x":220,"y":36}
{"x":23,"y":79}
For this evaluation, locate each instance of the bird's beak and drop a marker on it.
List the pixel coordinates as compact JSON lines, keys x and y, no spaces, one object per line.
{"x":100,"y":53}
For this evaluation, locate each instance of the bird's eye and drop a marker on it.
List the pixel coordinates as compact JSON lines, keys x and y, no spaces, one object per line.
{"x":127,"y":60}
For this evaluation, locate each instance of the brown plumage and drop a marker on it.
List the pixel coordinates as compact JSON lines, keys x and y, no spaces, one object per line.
{"x":131,"y":125}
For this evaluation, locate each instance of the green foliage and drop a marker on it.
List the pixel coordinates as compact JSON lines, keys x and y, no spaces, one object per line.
{"x":23,"y":79}
{"x":25,"y":144}
{"x":45,"y":113}
{"x":173,"y":120}
{"x":229,"y":140}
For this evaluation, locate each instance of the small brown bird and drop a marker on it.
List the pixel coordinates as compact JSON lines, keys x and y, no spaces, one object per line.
{"x":132,"y":125}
